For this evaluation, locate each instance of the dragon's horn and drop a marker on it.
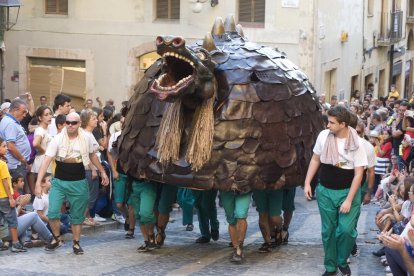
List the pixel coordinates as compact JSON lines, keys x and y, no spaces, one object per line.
{"x":229,"y":24}
{"x":239,"y":30}
{"x":218,"y":27}
{"x":208,"y":43}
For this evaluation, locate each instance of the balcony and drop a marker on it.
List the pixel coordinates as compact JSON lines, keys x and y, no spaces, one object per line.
{"x":391,"y":28}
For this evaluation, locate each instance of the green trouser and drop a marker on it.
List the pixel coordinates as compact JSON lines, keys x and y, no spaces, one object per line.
{"x":167,"y":194}
{"x":186,"y":200}
{"x":143,"y":198}
{"x":235,"y":206}
{"x":338,"y":229}
{"x":75,"y":192}
{"x":205,"y":202}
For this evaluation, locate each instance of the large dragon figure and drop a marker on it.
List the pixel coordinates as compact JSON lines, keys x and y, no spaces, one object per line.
{"x":223,"y":113}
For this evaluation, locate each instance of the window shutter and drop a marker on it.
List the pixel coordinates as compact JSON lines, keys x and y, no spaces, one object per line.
{"x":245,"y":11}
{"x":175,"y":9}
{"x":51,"y":6}
{"x":259,"y":11}
{"x":63,"y":7}
{"x":162,"y":9}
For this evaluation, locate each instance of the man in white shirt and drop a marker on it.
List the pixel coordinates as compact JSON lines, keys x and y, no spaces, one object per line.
{"x":72,"y":149}
{"x":341,"y":160}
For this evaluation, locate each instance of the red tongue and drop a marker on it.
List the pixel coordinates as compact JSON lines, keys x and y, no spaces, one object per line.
{"x":168,"y":81}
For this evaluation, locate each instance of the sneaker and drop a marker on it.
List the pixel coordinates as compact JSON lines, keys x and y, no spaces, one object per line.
{"x":17,"y":247}
{"x":151,"y":245}
{"x":388,"y":269}
{"x":265,"y":248}
{"x":329,"y":273}
{"x":53,"y":244}
{"x":355,"y":251}
{"x":98,"y":218}
{"x":77,"y":249}
{"x":345,"y":271}
{"x":119,"y":218}
{"x":215,"y":234}
{"x":5,"y":246}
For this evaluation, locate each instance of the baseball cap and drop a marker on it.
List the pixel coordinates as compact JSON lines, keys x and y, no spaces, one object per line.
{"x":374,"y":134}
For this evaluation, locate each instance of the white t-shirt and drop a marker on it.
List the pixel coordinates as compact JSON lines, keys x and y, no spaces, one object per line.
{"x":41,"y":204}
{"x":74,"y":148}
{"x":406,"y":209}
{"x":347,"y":159}
{"x":52,"y":129}
{"x":369,"y":149}
{"x":113,"y":138}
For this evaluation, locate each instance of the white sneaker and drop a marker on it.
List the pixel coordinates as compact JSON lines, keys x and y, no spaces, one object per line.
{"x":387,"y":269}
{"x":119,"y":218}
{"x":98,"y":218}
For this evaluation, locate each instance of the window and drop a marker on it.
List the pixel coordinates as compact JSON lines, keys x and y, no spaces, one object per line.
{"x":411,"y":8}
{"x":168,"y":9}
{"x":252,"y":11}
{"x":370,"y":7}
{"x":56,"y":7}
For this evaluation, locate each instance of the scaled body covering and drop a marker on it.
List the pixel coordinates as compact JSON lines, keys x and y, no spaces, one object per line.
{"x":222,"y":113}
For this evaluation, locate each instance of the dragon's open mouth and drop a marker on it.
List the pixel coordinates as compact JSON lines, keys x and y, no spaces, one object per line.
{"x":178,"y":73}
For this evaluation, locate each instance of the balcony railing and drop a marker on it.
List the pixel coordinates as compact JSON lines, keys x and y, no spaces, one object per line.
{"x":391,"y":28}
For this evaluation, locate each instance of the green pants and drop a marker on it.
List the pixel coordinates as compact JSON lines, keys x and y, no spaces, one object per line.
{"x":76,"y":193}
{"x":288,"y":204}
{"x":338,"y":229}
{"x":143,"y":198}
{"x":166,"y":196}
{"x":269,"y":201}
{"x":205,"y":202}
{"x":120,"y":189}
{"x":186,"y":200}
{"x":235,"y":206}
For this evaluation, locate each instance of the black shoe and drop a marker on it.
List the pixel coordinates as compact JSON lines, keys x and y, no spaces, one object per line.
{"x":278,"y":239}
{"x":265,"y":248}
{"x":143,"y":248}
{"x":345,"y":271}
{"x":215,"y":234}
{"x":230,"y":244}
{"x":189,"y":227}
{"x":77,"y":249}
{"x":54,"y":244}
{"x":202,"y":240}
{"x":380,"y":252}
{"x":355,"y":251}
{"x":17,"y":247}
{"x":329,"y":273}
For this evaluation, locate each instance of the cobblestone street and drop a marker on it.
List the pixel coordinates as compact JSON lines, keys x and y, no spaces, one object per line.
{"x":108,"y":253}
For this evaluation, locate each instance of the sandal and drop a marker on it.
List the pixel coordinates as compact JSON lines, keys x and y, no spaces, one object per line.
{"x":189,"y":227}
{"x":130,"y":234}
{"x":160,"y":238}
{"x":77,"y":249}
{"x":238,"y":258}
{"x":278,"y":238}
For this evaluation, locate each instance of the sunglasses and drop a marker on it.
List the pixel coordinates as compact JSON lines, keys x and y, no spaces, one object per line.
{"x":72,"y":123}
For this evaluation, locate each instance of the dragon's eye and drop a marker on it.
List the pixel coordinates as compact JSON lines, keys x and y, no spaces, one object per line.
{"x":201,"y":55}
{"x":178,"y":41}
{"x":159,"y":40}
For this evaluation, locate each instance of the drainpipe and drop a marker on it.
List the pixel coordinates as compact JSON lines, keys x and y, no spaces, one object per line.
{"x":391,"y":50}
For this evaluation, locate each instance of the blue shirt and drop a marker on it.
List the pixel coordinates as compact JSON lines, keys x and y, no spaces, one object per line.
{"x":12,"y":131}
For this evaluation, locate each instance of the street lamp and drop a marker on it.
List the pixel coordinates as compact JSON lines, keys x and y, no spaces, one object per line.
{"x":8,"y":5}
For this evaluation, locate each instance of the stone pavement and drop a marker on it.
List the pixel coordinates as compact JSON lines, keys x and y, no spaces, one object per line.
{"x":108,"y":253}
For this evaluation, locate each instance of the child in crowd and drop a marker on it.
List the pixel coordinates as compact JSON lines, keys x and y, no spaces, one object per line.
{"x":21,"y":200}
{"x":7,"y":202}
